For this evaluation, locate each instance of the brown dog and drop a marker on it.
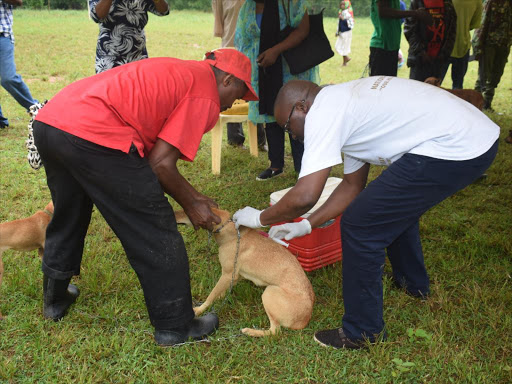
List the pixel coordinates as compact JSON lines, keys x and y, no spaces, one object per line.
{"x":469,"y":95}
{"x":288,"y":299}
{"x":25,"y":234}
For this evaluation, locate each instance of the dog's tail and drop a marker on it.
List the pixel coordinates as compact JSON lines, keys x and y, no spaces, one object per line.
{"x":260,"y":332}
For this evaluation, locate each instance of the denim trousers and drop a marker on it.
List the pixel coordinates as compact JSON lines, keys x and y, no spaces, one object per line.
{"x":385,"y":217}
{"x":128,"y":195}
{"x":10,"y":80}
{"x":459,"y":69}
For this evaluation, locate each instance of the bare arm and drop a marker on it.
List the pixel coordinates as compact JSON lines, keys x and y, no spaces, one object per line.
{"x":270,"y":56}
{"x":103,"y":8}
{"x":300,"y":199}
{"x":163,"y":159}
{"x":341,"y":197}
{"x":16,"y":3}
{"x":386,"y":12}
{"x":161,"y":6}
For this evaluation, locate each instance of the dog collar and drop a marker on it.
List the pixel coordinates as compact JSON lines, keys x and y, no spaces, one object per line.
{"x":48,"y":212}
{"x":222,"y":226}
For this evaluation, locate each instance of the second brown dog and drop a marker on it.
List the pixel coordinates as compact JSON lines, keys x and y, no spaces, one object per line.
{"x":288,"y":298}
{"x":25,"y":234}
{"x":469,"y":95}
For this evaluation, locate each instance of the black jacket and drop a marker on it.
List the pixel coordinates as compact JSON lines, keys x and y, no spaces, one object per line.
{"x":416,"y":34}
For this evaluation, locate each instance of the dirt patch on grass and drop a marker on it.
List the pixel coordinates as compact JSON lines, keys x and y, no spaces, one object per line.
{"x":51,"y":79}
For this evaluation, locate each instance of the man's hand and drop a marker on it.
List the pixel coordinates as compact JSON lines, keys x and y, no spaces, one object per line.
{"x":290,"y":231}
{"x":209,"y":200}
{"x":248,"y":217}
{"x":424,"y":16}
{"x":201,"y":215}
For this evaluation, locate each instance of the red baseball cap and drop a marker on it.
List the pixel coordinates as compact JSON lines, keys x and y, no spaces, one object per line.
{"x":236,"y":63}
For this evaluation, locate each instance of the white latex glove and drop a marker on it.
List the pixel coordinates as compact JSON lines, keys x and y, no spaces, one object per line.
{"x":290,"y":231}
{"x":248,"y":217}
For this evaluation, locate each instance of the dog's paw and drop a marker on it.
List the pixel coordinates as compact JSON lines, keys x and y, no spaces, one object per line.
{"x":198,"y":311}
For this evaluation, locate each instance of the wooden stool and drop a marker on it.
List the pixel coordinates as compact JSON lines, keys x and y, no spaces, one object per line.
{"x":217,"y":132}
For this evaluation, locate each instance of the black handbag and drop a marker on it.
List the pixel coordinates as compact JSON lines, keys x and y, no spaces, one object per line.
{"x":313,"y":50}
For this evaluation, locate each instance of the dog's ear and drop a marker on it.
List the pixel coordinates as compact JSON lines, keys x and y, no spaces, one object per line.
{"x":182,"y":218}
{"x":224,"y":215}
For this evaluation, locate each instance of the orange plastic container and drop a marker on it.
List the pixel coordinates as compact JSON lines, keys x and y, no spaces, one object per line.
{"x":323,"y":245}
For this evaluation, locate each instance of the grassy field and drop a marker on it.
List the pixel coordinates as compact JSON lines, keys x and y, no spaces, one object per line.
{"x":461,"y":335}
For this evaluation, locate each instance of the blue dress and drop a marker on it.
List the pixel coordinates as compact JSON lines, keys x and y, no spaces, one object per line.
{"x":247,"y":41}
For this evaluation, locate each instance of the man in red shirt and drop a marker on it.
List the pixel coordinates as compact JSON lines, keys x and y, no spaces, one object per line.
{"x":113,"y":140}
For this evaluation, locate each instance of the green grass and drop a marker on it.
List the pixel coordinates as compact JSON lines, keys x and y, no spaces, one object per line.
{"x":464,"y":329}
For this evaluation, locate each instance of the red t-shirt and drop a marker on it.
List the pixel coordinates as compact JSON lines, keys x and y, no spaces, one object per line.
{"x":170,"y":99}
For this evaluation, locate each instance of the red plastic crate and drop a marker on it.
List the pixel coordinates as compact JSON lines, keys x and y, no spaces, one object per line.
{"x":323,"y":245}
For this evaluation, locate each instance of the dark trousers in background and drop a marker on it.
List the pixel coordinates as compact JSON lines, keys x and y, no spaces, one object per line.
{"x":385,"y":216}
{"x":236,"y":134}
{"x":382,"y":62}
{"x":275,"y":140}
{"x":127,"y":193}
{"x":422,"y":71}
{"x":490,"y":69}
{"x":459,"y":69}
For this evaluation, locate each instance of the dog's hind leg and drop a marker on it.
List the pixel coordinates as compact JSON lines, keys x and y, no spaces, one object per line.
{"x":272,"y":299}
{"x":217,"y":292}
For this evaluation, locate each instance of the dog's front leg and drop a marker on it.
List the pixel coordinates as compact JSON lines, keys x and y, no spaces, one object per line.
{"x":220,"y":289}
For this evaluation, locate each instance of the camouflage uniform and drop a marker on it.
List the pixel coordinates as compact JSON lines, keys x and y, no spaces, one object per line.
{"x":491,"y":46}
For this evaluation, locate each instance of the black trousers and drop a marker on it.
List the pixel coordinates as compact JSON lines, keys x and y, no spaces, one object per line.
{"x":127,"y":193}
{"x":423,"y":71}
{"x":382,"y":62}
{"x":275,"y":140}
{"x":236,"y":134}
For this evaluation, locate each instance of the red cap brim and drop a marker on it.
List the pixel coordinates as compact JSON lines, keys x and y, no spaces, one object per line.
{"x":250,"y":95}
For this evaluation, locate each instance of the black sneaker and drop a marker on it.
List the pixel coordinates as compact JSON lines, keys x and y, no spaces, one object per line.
{"x":336,"y":338}
{"x":268,"y":174}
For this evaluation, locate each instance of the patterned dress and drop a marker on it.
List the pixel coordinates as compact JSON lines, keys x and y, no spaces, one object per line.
{"x":122,"y":39}
{"x":247,"y":41}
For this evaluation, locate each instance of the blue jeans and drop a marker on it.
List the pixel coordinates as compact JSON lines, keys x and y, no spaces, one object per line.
{"x":385,"y":216}
{"x":10,"y":80}
{"x":459,"y":69}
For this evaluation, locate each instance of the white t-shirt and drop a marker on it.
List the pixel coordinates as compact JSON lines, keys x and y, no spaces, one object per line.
{"x":378,"y":119}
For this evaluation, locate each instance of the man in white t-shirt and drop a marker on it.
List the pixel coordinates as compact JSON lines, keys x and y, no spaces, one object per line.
{"x":433,"y":143}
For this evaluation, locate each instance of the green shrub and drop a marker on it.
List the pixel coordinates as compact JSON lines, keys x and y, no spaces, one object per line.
{"x":34,"y":4}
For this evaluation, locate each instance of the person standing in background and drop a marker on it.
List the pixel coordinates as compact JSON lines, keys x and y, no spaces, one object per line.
{"x":491,"y":46}
{"x":344,"y":33}
{"x":225,"y":14}
{"x":122,"y":39}
{"x":257,"y":36}
{"x":469,"y":14}
{"x":11,"y":81}
{"x":385,"y":41}
{"x":430,"y":45}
